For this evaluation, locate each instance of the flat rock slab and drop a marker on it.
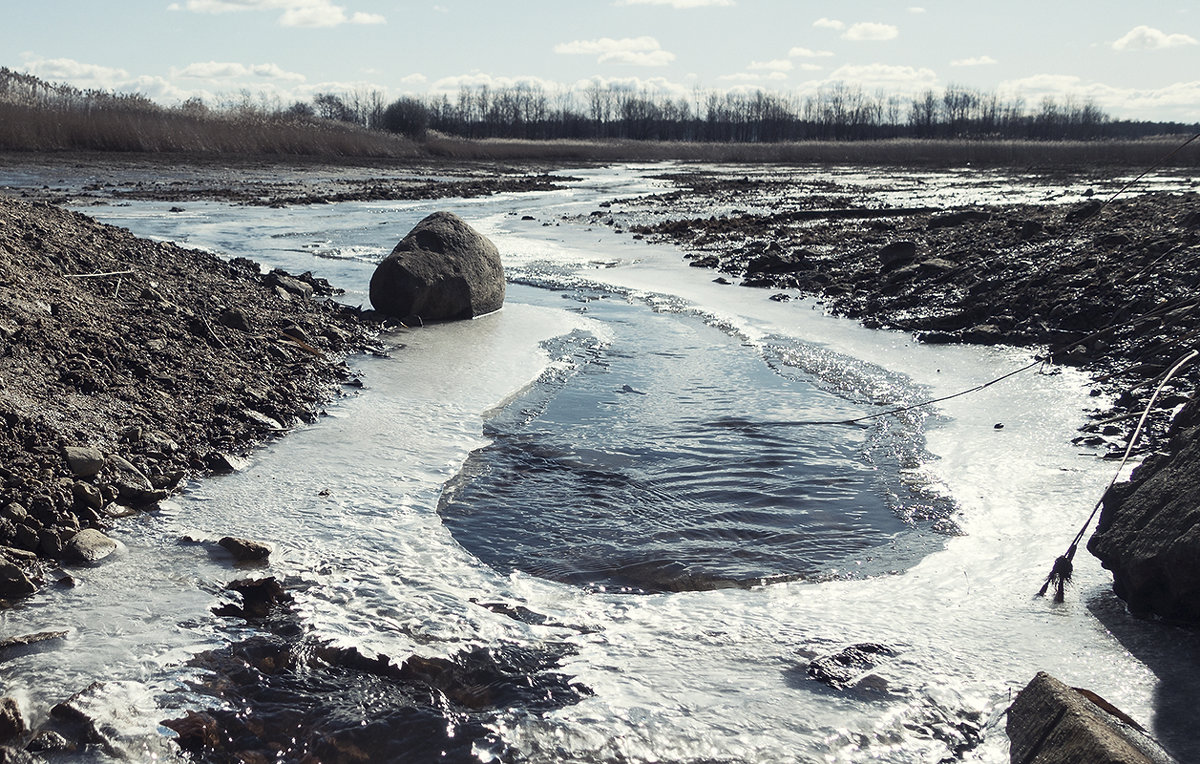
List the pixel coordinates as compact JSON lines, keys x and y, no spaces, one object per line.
{"x":22,"y":645}
{"x":1050,"y":723}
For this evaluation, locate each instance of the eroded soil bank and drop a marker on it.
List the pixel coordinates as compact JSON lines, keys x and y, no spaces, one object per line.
{"x":145,"y":363}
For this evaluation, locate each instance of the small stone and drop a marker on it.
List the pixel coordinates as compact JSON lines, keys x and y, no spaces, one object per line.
{"x":87,"y":495}
{"x":49,"y":741}
{"x":90,"y":545}
{"x":235,"y":318}
{"x":11,"y":722}
{"x":84,"y":461}
{"x":244,"y":550}
{"x":14,"y":582}
{"x":10,"y":755}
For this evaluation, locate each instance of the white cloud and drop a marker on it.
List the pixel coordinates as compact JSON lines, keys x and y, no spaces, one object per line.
{"x":639,"y":51}
{"x":1178,"y":101}
{"x":916,"y":9}
{"x":894,"y":79}
{"x":480,"y":79}
{"x":218,"y":70}
{"x":295,"y":13}
{"x":975,"y":61}
{"x":1149,"y":38}
{"x":869,"y":30}
{"x":76,"y":73}
{"x":811,"y":67}
{"x":824,"y":23}
{"x":680,"y":4}
{"x":753,"y":77}
{"x":775,"y":65}
{"x":808,"y":53}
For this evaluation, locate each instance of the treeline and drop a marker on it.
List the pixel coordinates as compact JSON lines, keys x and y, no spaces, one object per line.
{"x":37,"y":115}
{"x":838,"y":113}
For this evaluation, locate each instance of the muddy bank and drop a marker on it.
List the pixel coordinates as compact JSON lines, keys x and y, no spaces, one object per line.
{"x":85,"y":179}
{"x":128,"y":366}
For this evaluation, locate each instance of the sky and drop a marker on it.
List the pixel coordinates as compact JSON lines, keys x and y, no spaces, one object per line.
{"x":1136,"y":60}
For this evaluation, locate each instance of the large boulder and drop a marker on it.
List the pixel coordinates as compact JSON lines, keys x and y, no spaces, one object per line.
{"x":441,"y":271}
{"x":1149,"y":530}
{"x":1050,"y":722}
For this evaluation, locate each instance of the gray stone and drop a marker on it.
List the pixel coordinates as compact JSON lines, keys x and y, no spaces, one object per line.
{"x":1050,"y":722}
{"x":89,"y":545}
{"x":896,"y":254}
{"x":1149,"y":530}
{"x":133,"y":487}
{"x":11,"y":755}
{"x":288,"y":284}
{"x":14,"y":582}
{"x":84,"y":461}
{"x":244,"y":550}
{"x":442,"y":270}
{"x":87,"y":495}
{"x":12,"y":723}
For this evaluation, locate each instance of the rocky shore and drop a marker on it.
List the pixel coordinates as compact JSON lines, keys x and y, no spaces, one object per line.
{"x":128,"y":366}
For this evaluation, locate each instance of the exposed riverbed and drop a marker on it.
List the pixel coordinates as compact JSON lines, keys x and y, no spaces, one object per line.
{"x":617,"y":459}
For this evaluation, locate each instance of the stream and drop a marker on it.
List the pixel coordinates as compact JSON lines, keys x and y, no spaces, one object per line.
{"x":649,"y":477}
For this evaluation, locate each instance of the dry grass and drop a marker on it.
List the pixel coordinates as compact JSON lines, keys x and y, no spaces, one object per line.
{"x":23,"y":128}
{"x":906,"y":152}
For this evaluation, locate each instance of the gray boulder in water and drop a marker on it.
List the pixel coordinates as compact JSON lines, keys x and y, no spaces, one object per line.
{"x":442,"y":270}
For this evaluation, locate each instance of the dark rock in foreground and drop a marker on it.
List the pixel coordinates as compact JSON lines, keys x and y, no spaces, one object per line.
{"x":442,"y":270}
{"x":1050,"y":722}
{"x":1149,"y":529}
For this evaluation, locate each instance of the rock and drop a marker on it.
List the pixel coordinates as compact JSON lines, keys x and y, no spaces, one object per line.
{"x":84,"y":461}
{"x":1149,"y":535}
{"x":11,"y":722}
{"x":850,"y":667}
{"x":14,"y":582}
{"x":49,"y":741}
{"x":442,"y":270}
{"x":234,"y":319}
{"x":220,"y":462}
{"x":14,"y":646}
{"x":1084,"y":211}
{"x":1050,"y":722}
{"x":896,"y":254}
{"x":288,"y":283}
{"x":10,"y":755}
{"x":258,"y":597}
{"x":775,"y":262}
{"x":958,"y":217}
{"x":133,"y":487}
{"x":244,"y":549}
{"x":87,"y":495}
{"x":89,"y":545}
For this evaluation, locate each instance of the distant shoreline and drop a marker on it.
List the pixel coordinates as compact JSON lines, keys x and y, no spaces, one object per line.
{"x":361,"y":147}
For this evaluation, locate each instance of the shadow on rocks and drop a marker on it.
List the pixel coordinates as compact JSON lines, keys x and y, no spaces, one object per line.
{"x":285,"y":695}
{"x":1170,"y":652}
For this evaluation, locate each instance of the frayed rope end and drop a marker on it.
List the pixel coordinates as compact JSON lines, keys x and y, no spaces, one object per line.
{"x":1060,"y":576}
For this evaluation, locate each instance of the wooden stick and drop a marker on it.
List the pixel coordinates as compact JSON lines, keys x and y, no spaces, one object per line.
{"x":96,"y":275}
